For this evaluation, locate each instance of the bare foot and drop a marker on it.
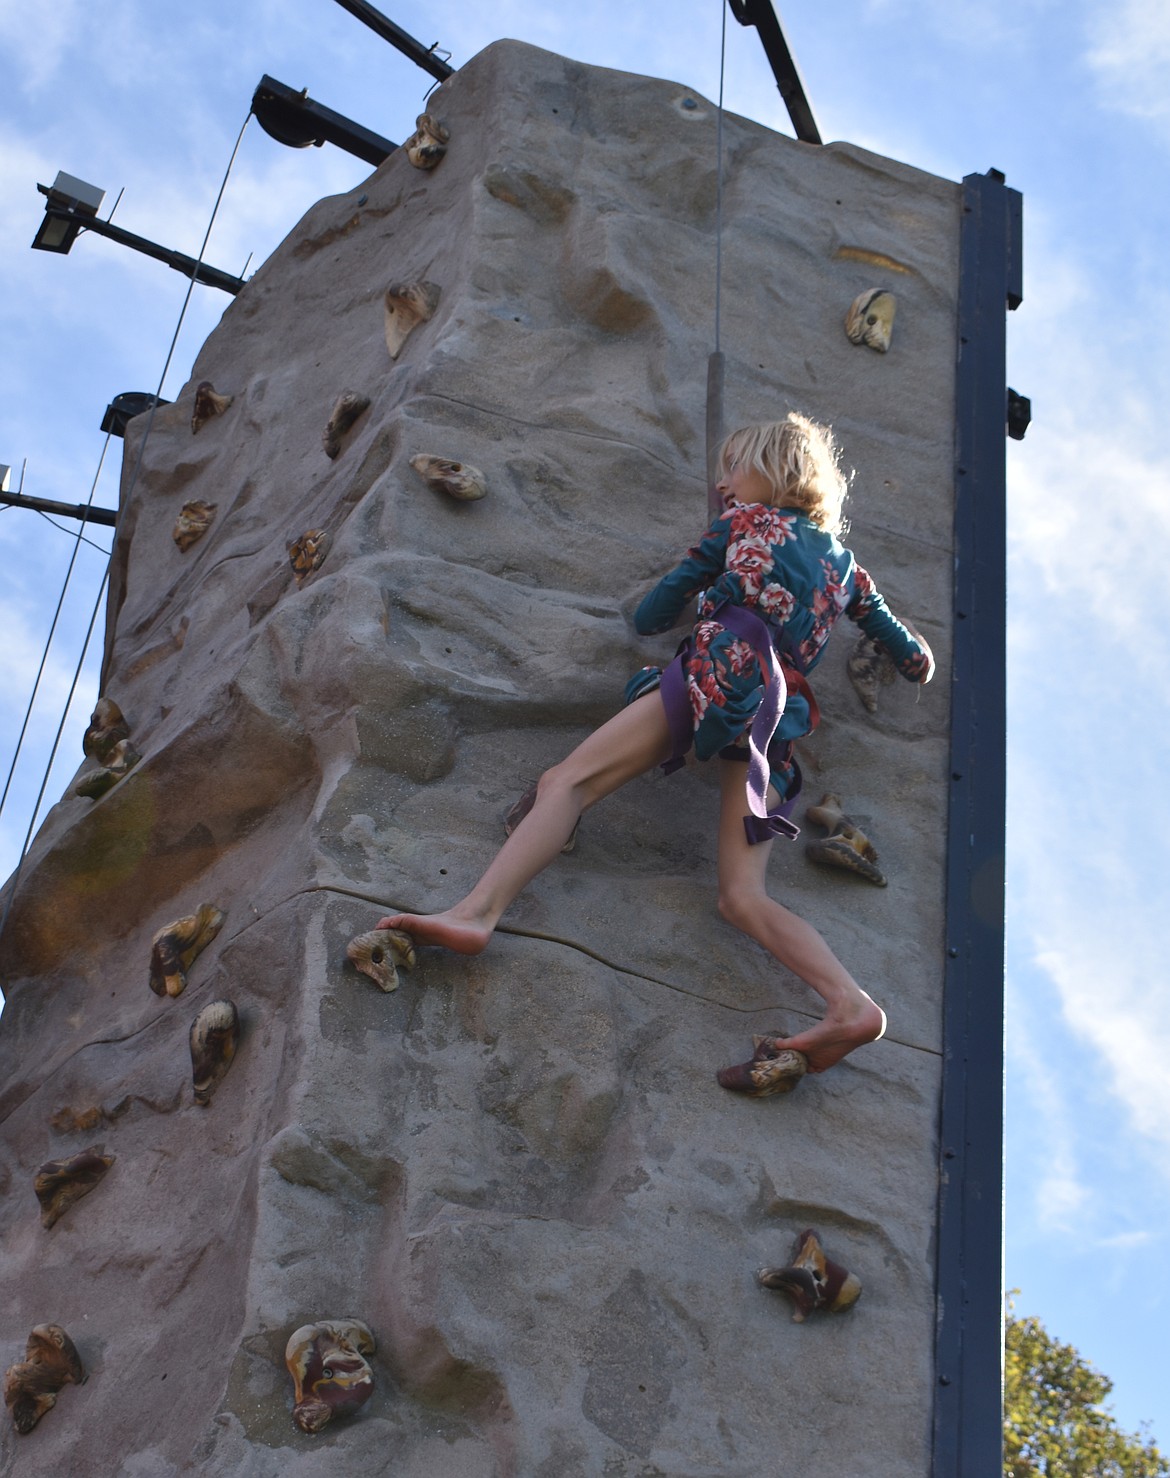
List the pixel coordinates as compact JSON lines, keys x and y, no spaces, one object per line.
{"x":440,"y":928}
{"x":837,"y":1035}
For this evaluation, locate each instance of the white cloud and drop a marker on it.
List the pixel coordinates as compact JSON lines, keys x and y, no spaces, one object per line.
{"x":33,"y":52}
{"x":1130,"y":56}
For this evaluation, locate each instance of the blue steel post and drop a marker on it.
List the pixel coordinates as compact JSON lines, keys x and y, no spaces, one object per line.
{"x":968,"y":1424}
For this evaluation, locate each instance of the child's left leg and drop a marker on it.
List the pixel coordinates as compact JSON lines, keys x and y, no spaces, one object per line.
{"x":852,"y":1018}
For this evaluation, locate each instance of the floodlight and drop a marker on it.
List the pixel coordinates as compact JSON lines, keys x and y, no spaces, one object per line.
{"x":125,"y":407}
{"x":5,"y":478}
{"x":71,"y":206}
{"x":75,"y":205}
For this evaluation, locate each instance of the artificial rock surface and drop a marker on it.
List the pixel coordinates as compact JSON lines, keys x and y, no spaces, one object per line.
{"x":518,"y":1169}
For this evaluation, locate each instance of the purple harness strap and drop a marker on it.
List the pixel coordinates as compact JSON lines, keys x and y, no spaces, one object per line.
{"x":761,"y":825}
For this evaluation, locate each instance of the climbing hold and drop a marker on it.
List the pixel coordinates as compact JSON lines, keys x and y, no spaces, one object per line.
{"x":207,"y":404}
{"x":194,"y":519}
{"x":107,"y":727}
{"x":175,"y":946}
{"x":308,"y":553}
{"x":329,"y":1370}
{"x":347,"y":408}
{"x":846,"y":846}
{"x":407,"y":304}
{"x":68,"y":1121}
{"x":870,"y":319}
{"x":456,"y":478}
{"x":94,"y":783}
{"x":214,"y":1037}
{"x":59,"y":1183}
{"x":427,"y":145}
{"x":770,"y":1069}
{"x":379,"y":953}
{"x":812,"y":1280}
{"x":50,"y":1363}
{"x":870,"y":667}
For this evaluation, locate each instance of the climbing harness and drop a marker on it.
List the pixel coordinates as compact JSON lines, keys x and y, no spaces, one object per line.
{"x":782,"y":676}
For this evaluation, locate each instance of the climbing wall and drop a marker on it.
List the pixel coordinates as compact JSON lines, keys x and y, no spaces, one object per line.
{"x":517,"y":1170}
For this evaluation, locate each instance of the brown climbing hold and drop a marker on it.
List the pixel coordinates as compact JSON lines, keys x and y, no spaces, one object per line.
{"x":194,"y":519}
{"x":50,"y":1363}
{"x":379,"y":953}
{"x":846,"y":846}
{"x":331,"y":1376}
{"x":207,"y":404}
{"x":812,"y":1280}
{"x":870,"y":667}
{"x":771,"y":1069}
{"x":427,"y":145}
{"x":107,"y":727}
{"x":870,"y":319}
{"x":407,"y":304}
{"x":214,"y":1037}
{"x":59,"y":1183}
{"x":347,"y":408}
{"x":175,"y":946}
{"x":308,"y":553}
{"x":456,"y":479}
{"x":94,"y":783}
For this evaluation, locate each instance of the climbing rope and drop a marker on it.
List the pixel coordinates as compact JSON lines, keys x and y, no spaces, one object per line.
{"x":715,"y":362}
{"x":129,"y":490}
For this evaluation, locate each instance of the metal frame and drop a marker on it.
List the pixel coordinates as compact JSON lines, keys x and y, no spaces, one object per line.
{"x":294,"y":119}
{"x":422,"y":56}
{"x":762,"y":15}
{"x":178,"y":260}
{"x":968,"y":1407}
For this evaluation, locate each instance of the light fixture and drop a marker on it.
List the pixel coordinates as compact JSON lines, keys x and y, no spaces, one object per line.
{"x":5,"y":478}
{"x":294,"y":119}
{"x":76,"y":205}
{"x":71,"y":206}
{"x":125,"y":407}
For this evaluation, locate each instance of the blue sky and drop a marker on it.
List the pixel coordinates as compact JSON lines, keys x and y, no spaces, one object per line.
{"x":1072,"y":102}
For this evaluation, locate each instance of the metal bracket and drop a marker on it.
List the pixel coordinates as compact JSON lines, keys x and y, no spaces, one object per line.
{"x":294,"y":119}
{"x":762,"y":15}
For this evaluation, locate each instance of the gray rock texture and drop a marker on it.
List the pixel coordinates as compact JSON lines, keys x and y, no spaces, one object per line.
{"x":518,"y":1169}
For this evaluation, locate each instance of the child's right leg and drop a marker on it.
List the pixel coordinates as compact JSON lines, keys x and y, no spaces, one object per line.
{"x":632,"y":742}
{"x":852,"y":1018}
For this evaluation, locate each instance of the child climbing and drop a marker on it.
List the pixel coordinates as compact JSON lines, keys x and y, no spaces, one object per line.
{"x":772,"y":578}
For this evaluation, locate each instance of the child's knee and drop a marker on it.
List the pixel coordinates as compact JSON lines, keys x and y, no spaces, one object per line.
{"x":735,"y":908}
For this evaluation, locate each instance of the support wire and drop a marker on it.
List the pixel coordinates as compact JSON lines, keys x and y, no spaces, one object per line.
{"x":12,"y":887}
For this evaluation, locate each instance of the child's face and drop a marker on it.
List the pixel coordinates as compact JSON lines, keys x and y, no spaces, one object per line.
{"x":742,"y":483}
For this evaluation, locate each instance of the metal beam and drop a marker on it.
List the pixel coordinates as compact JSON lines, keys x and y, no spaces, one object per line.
{"x":106,"y":516}
{"x":762,"y":15}
{"x":422,"y":56}
{"x":294,"y":119}
{"x":968,"y":1408}
{"x":188,"y":266}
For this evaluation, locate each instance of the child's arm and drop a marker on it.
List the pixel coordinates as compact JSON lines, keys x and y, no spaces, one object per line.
{"x":910,"y":651}
{"x":698,"y":568}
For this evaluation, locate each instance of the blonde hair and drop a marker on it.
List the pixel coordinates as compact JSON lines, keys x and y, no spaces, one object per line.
{"x":800,"y":460}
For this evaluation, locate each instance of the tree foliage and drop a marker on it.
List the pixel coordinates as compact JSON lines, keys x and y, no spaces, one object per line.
{"x":1054,"y":1422}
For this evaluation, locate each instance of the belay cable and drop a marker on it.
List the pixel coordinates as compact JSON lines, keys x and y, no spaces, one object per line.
{"x":15,"y":880}
{"x":715,"y":360}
